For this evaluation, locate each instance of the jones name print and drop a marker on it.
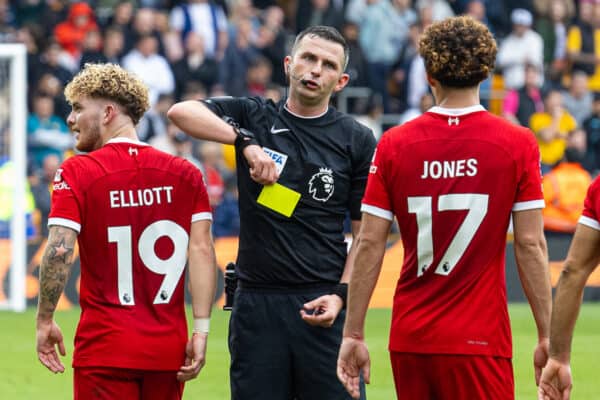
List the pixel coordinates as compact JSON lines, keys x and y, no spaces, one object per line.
{"x":449,"y":169}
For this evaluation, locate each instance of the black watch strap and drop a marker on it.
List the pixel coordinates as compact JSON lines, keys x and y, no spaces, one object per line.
{"x":244,"y":137}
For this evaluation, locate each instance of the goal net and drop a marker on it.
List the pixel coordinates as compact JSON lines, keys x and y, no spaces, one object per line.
{"x":13,"y":113}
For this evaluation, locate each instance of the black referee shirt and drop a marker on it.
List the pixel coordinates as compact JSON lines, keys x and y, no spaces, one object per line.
{"x":326,"y":159}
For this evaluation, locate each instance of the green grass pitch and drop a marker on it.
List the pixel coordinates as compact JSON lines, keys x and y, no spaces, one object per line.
{"x":23,"y":377}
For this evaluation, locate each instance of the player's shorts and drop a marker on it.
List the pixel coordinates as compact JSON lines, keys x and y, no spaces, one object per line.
{"x":451,"y":377}
{"x":102,"y":383}
{"x":275,"y":355}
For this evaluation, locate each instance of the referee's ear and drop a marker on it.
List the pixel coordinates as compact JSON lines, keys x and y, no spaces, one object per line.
{"x":342,"y":82}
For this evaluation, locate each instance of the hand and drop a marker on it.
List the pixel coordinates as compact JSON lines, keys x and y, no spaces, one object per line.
{"x":353,"y":358}
{"x":325,"y":310}
{"x":195,"y":357}
{"x":540,"y":357}
{"x":556,"y":381}
{"x":48,"y":335}
{"x":262,"y":166}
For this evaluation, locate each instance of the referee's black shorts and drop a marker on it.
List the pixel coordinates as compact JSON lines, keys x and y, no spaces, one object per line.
{"x":275,"y":355}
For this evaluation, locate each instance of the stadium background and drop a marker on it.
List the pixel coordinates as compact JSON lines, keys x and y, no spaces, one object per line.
{"x":243,"y":56}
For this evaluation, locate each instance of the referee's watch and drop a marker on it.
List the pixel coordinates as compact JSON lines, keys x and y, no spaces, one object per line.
{"x":244,"y":137}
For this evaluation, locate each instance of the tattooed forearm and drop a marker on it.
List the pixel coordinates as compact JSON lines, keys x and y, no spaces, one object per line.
{"x":55,"y":268}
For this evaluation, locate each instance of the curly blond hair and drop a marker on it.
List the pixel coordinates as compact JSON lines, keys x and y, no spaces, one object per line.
{"x":110,"y":81}
{"x":458,"y":52}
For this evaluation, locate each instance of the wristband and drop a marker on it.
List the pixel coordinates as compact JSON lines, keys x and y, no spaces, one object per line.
{"x":341,"y":289}
{"x":201,"y":325}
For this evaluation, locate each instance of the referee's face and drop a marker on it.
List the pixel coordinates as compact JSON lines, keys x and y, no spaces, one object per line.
{"x":315,"y":70}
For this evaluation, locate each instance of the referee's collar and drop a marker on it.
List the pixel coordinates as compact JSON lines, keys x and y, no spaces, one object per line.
{"x":303,"y":116}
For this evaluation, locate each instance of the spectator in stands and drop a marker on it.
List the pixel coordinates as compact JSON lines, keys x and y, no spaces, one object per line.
{"x":319,"y":12}
{"x":565,"y":187}
{"x":31,"y":36}
{"x":272,"y":41}
{"x":545,"y":8}
{"x":50,"y":85}
{"x":154,"y":122}
{"x":258,"y":76}
{"x":370,"y":116}
{"x":385,"y":24}
{"x":91,"y":49}
{"x":523,"y":46}
{"x":274,"y":92}
{"x":578,"y":99}
{"x":357,"y":65}
{"x":166,"y":142}
{"x":122,"y":17}
{"x":151,"y":67}
{"x":40,"y":182}
{"x":194,"y":66}
{"x":205,"y":18}
{"x":226,"y":216}
{"x":143,"y":23}
{"x":182,"y":144}
{"x":112,"y":48}
{"x":592,"y":129}
{"x":398,"y":83}
{"x":51,"y":62}
{"x":552,"y":27}
{"x":552,"y":128}
{"x":239,"y":55}
{"x":427,"y":101}
{"x":46,"y":132}
{"x":440,"y":9}
{"x":71,"y":33}
{"x":211,"y":157}
{"x":520,"y":104}
{"x":173,"y":46}
{"x":581,"y":43}
{"x":25,"y":12}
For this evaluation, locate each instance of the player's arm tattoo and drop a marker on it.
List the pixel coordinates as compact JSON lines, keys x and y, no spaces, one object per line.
{"x":55,"y":268}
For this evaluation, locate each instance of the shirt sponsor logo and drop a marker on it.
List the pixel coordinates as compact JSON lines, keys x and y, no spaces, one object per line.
{"x":61,"y":186}
{"x":279,"y":158}
{"x":321,"y":185}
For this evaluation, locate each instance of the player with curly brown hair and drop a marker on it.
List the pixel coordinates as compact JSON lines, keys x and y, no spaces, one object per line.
{"x":136,"y":213}
{"x":453,"y":178}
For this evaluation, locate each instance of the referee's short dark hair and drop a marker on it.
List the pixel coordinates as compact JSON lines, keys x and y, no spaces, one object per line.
{"x":324,"y":32}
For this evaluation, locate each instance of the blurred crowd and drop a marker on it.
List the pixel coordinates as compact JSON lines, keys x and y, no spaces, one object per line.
{"x":547,"y":73}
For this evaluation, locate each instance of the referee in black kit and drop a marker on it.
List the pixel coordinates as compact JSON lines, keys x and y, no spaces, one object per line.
{"x":302,"y":166}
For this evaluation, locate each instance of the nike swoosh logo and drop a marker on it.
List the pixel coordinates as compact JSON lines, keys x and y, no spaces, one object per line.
{"x":276,"y":131}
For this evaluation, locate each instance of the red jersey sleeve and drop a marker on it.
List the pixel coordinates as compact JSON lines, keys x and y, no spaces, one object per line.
{"x":377,"y":200}
{"x":529,"y":191}
{"x":65,"y":210}
{"x":202,"y":209}
{"x":591,"y":206}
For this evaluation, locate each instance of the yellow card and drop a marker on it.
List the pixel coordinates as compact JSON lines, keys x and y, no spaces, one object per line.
{"x":279,"y":198}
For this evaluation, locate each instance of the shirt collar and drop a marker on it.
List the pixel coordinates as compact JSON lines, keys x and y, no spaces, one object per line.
{"x":456,"y":111}
{"x":126,"y":140}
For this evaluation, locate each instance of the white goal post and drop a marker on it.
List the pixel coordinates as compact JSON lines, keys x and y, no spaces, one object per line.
{"x":13,"y":114}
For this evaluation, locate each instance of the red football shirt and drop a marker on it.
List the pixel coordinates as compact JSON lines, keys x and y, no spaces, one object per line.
{"x":133,"y":207}
{"x":452,"y":177}
{"x":591,"y":206}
